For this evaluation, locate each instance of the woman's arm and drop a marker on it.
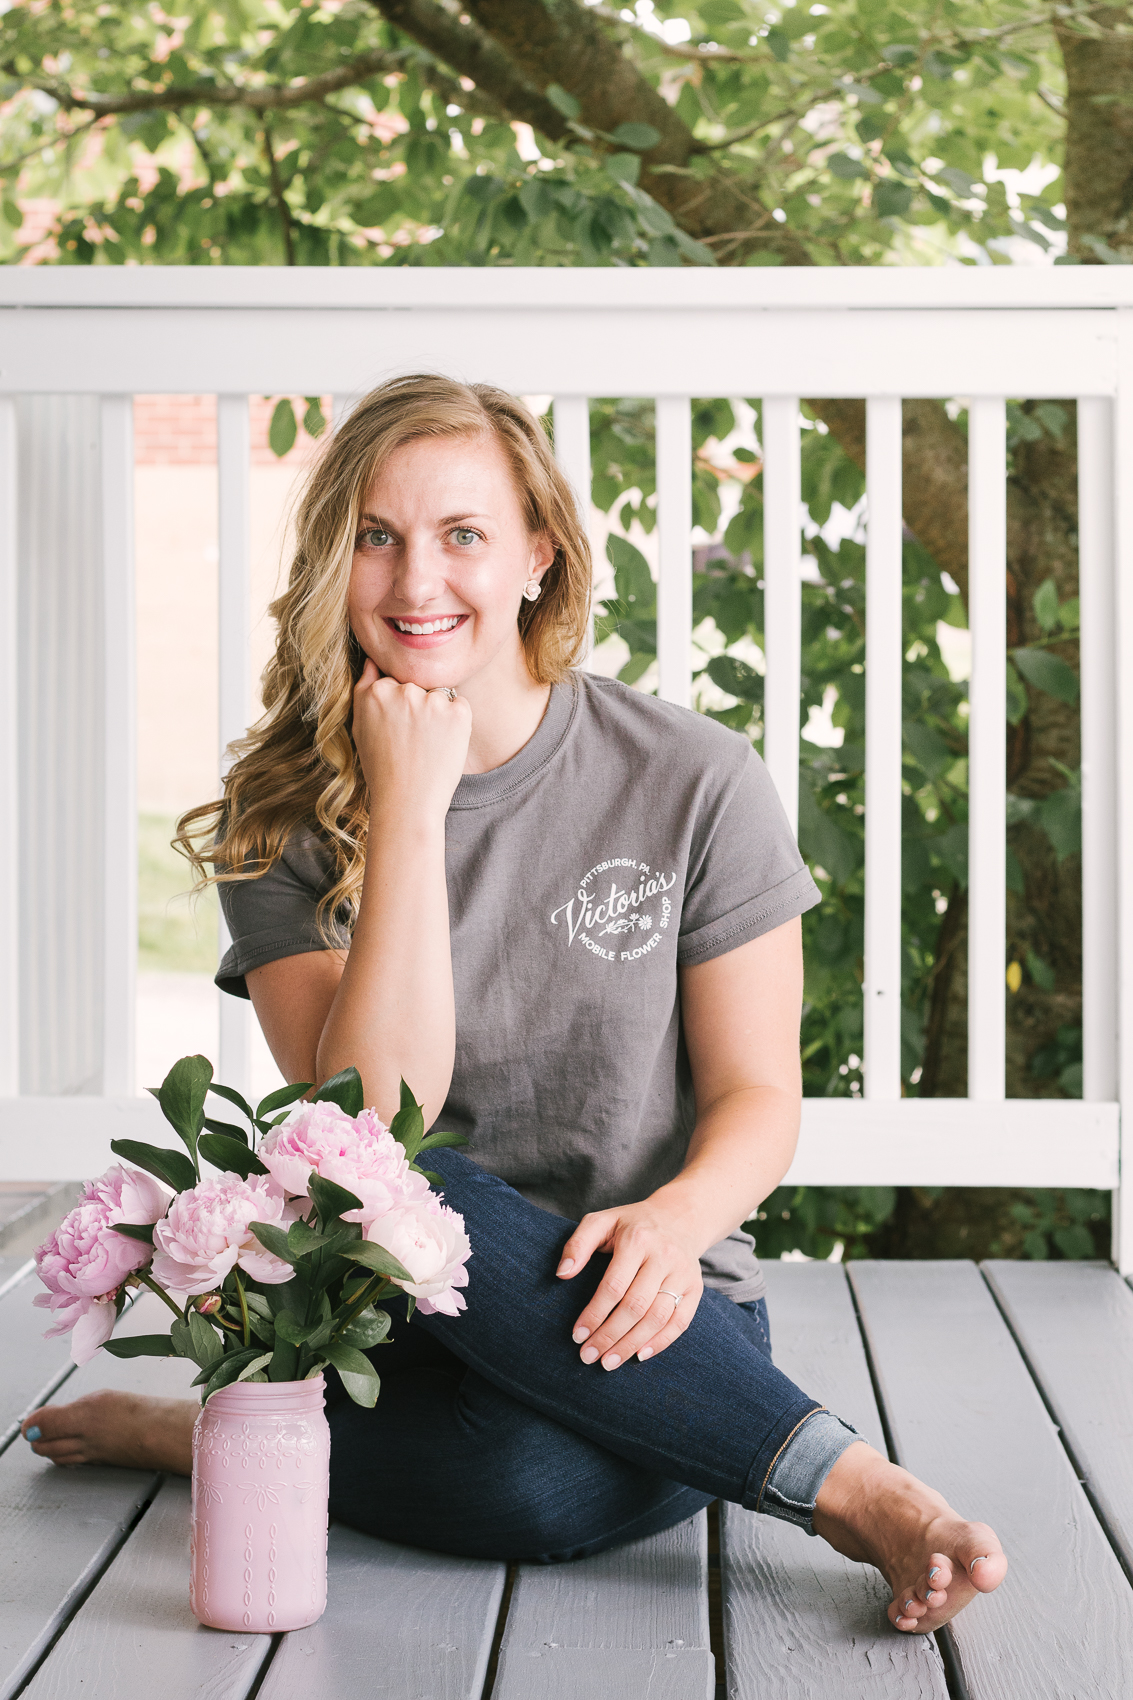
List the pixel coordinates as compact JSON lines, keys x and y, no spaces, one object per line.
{"x":387,"y":1008}
{"x":741,"y":1017}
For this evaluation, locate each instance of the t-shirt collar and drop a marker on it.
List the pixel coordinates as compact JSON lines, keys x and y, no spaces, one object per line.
{"x":478,"y":790}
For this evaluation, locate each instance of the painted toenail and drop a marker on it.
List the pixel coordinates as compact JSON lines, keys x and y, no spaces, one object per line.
{"x":908,"y":1605}
{"x":935,"y":1571}
{"x":34,"y":1433}
{"x":982,"y":1559}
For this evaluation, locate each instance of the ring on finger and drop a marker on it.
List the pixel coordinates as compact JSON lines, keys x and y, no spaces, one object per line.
{"x":669,"y":1294}
{"x":448,"y":691}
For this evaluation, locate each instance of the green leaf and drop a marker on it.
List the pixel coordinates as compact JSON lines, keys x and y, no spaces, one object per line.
{"x":141,"y":1346}
{"x":928,"y":748}
{"x":841,"y":165}
{"x":283,"y":430}
{"x":233,"y":1097}
{"x":368,"y":1329}
{"x":430,"y":1175}
{"x":1041,"y":972}
{"x":780,"y":44}
{"x":1060,"y":815}
{"x":255,"y":1366}
{"x":892,"y":200}
{"x":642,"y":137}
{"x":301,"y":1238}
{"x":1018,"y":702}
{"x":1048,"y":673}
{"x":632,"y":579}
{"x":376,"y":1257}
{"x":206,"y":1342}
{"x":359,"y":1377}
{"x":231,"y":1156}
{"x":282,"y":1096}
{"x":331,"y":1200}
{"x":172,"y":1167}
{"x":182,"y":1097}
{"x":435,"y":1141}
{"x":289,"y":1328}
{"x":135,"y":1231}
{"x":1046,"y":605}
{"x":181,"y":1337}
{"x":343,"y":1089}
{"x":1070,"y":614}
{"x":624,"y":167}
{"x":957,"y":180}
{"x":273,"y":1239}
{"x":408,"y":1126}
{"x":314,"y":422}
{"x":226,"y":1371}
{"x":562,"y":101}
{"x":736,"y":677}
{"x":230,"y":1130}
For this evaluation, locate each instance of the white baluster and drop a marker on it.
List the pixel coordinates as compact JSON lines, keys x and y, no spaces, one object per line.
{"x":1099,"y":767}
{"x":1123,"y":717}
{"x":674,"y":549}
{"x":572,"y":451}
{"x":120,"y":738}
{"x":9,"y":760}
{"x":782,"y":597}
{"x":234,"y":611}
{"x":884,"y":654}
{"x":987,"y":747}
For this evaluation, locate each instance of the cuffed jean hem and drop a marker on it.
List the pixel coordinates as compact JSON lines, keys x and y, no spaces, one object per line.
{"x":806,"y":1460}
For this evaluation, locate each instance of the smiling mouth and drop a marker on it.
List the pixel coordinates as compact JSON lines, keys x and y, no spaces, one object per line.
{"x":425,"y":628}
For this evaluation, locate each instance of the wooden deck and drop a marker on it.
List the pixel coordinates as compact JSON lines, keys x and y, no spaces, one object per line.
{"x":1009,"y":1386}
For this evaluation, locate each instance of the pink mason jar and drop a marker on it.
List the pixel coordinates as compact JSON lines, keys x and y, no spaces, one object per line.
{"x":258,"y":1535}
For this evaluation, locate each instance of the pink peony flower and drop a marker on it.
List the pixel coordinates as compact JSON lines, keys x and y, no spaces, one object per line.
{"x":84,"y":1262}
{"x":429,"y":1240}
{"x":208,"y":1231}
{"x":356,"y":1152}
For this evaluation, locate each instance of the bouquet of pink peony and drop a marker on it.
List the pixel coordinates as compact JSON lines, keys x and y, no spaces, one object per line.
{"x":275,"y":1265}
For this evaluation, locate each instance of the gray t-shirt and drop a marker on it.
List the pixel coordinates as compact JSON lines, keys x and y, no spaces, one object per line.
{"x":627,"y":838}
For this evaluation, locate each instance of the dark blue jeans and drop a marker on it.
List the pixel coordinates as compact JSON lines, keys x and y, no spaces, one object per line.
{"x":491,"y":1438}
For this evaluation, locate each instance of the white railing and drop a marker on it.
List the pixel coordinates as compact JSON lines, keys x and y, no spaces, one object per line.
{"x":880,"y":334}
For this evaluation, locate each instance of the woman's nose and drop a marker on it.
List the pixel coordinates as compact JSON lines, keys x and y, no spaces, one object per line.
{"x":417,"y":578}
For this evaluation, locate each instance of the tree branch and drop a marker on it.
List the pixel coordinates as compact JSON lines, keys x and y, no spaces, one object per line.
{"x":471,"y":53}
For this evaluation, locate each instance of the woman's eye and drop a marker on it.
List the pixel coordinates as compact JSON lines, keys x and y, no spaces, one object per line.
{"x":375,"y":538}
{"x":464,"y":536}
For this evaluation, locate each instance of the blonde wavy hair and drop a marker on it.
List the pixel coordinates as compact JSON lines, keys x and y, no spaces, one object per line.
{"x":297,"y":766}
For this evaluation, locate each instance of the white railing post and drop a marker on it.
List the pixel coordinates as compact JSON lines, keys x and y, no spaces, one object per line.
{"x":120,"y":760}
{"x":1123,"y":719}
{"x":674,"y":549}
{"x":571,"y":418}
{"x":9,"y":759}
{"x":987,"y":747}
{"x":884,"y":655}
{"x":1099,"y":768}
{"x":233,"y":454}
{"x":782,"y":597}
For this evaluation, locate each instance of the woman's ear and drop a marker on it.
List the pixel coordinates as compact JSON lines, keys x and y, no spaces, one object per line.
{"x":543,"y":552}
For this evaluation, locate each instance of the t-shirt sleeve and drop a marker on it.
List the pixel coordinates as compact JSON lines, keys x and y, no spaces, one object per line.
{"x":746,"y":875}
{"x":275,"y":915}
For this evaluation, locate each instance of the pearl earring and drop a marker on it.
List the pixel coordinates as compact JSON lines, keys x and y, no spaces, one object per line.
{"x":531,"y":590}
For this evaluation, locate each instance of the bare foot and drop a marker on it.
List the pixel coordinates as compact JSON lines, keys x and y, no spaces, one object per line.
{"x":116,"y":1428}
{"x":934,"y":1561}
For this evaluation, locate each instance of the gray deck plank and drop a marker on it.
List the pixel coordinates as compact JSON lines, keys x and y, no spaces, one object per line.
{"x":32,"y":1365}
{"x":399,"y":1622}
{"x":801,"y":1621}
{"x":1074,"y":1322}
{"x":966,"y":1417}
{"x":631,"y":1622}
{"x":136,"y":1633}
{"x":59,"y":1527}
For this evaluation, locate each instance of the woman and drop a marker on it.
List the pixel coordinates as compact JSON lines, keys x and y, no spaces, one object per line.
{"x":568,"y":914}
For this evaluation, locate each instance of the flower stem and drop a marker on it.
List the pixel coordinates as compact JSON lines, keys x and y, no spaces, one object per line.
{"x":148,"y":1281}
{"x":243,"y":1306}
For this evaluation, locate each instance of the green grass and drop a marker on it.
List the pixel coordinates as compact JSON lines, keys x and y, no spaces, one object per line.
{"x":176,"y":932}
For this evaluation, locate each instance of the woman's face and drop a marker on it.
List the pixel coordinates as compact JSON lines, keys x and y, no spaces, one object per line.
{"x":440,"y":561}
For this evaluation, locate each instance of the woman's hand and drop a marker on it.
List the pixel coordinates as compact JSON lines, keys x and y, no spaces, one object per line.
{"x":412,"y":744}
{"x":630,"y":1315}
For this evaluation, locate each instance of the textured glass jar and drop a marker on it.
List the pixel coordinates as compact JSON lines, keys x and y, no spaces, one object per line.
{"x":258,"y":1535}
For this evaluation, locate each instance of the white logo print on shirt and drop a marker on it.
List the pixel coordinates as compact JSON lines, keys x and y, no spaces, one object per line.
{"x":595,"y":912}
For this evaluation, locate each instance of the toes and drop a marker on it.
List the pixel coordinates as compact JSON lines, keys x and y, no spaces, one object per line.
{"x":933,"y":1585}
{"x":984,"y":1561}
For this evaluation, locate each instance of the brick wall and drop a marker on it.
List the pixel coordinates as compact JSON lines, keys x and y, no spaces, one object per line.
{"x":180,"y":430}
